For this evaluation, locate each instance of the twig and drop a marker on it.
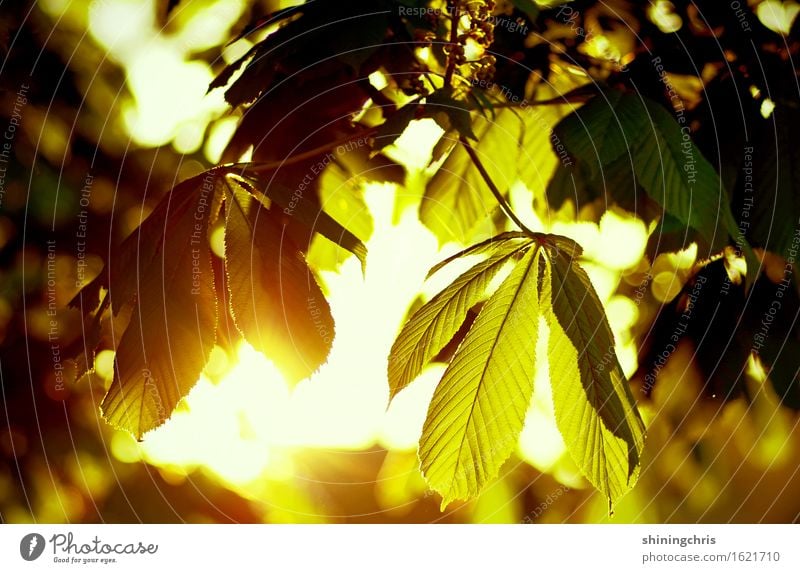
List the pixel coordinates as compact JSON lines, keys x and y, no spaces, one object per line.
{"x":492,"y":187}
{"x":531,"y":103}
{"x":451,"y":59}
{"x":272,"y":165}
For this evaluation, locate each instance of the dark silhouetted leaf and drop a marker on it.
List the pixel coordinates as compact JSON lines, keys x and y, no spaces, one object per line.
{"x":441,"y":103}
{"x":707,"y":313}
{"x":395,"y":125}
{"x":348,"y":31}
{"x":275,"y":300}
{"x":776,"y":202}
{"x":615,"y":184}
{"x":172,"y":327}
{"x":298,"y":205}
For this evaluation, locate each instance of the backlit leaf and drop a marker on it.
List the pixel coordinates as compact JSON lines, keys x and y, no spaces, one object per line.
{"x":487,"y":246}
{"x":172,"y":328}
{"x":275,"y":300}
{"x":434,"y":325}
{"x":298,"y":205}
{"x":342,"y":198}
{"x":479,"y":407}
{"x":513,"y":146}
{"x":594,"y":407}
{"x":456,"y":198}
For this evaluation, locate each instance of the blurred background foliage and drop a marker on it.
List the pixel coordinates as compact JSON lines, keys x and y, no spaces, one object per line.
{"x":114,"y":92}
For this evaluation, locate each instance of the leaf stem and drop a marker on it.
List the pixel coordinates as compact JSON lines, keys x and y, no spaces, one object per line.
{"x":493,"y":188}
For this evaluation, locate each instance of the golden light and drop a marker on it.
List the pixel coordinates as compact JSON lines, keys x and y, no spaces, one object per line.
{"x":244,"y":425}
{"x":663,"y":15}
{"x":413,"y":147}
{"x":142,"y":69}
{"x":168,"y":91}
{"x":241,"y":423}
{"x":540,"y":443}
{"x":219,"y":135}
{"x":767,"y":107}
{"x":236,"y":425}
{"x":378,"y":80}
{"x":601,"y":47}
{"x":169,"y":102}
{"x":104,"y":365}
{"x":778,"y":16}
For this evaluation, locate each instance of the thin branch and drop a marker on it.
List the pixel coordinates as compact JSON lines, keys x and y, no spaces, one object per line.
{"x":531,"y":103}
{"x":272,"y":165}
{"x":430,"y":81}
{"x":451,"y":59}
{"x":492,"y":187}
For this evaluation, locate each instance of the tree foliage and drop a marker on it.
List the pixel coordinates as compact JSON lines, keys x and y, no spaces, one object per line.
{"x":619,"y":135}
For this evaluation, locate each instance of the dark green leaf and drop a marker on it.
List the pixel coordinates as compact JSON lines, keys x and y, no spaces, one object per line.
{"x":668,"y":166}
{"x":595,"y":135}
{"x":529,"y":7}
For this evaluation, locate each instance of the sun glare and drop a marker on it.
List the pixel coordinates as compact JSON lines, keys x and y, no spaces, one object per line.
{"x":167,"y":101}
{"x":234,"y":424}
{"x":244,"y":424}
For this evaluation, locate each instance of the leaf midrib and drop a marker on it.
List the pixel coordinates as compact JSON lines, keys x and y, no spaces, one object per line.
{"x":461,"y":294}
{"x":586,"y":355}
{"x":486,"y":367}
